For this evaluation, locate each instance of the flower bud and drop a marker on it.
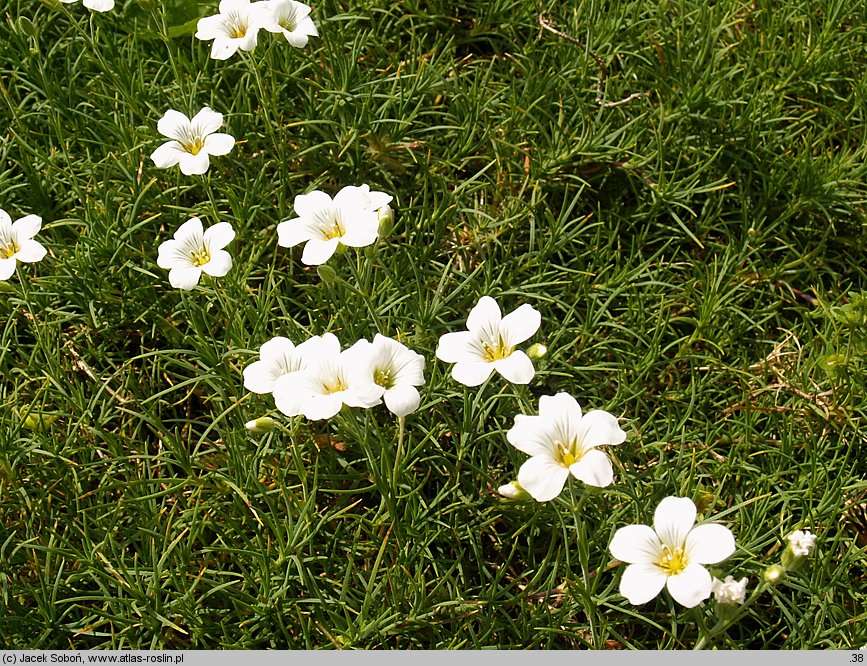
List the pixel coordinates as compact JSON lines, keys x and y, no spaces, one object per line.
{"x":729,"y":592}
{"x":514,"y":491}
{"x":799,"y":548}
{"x":261,"y":425}
{"x":326,"y":273}
{"x":537,"y":351}
{"x":386,"y":220}
{"x":773,"y":574}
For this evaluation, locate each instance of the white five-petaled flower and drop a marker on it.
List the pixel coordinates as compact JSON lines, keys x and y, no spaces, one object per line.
{"x":394,"y":369}
{"x":562,"y":441}
{"x":96,"y":5}
{"x":801,"y":543}
{"x":290,"y":18}
{"x":489,"y":343}
{"x":235,"y":27}
{"x":729,"y":591}
{"x":193,"y":252}
{"x":670,"y":554}
{"x":332,"y":379}
{"x":16,"y":242}
{"x":192,"y":141}
{"x":279,"y":356}
{"x":323,"y":223}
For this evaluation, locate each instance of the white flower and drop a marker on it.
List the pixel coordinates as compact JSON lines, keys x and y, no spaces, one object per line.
{"x":561,"y":440}
{"x":292,"y":19}
{"x":16,"y":242}
{"x":670,"y":554}
{"x":279,"y":356}
{"x":193,"y":252}
{"x":729,"y":591}
{"x":332,"y":379}
{"x":395,"y":369}
{"x":96,"y":5}
{"x":801,"y":543}
{"x":489,"y":344}
{"x":235,"y":27}
{"x":351,"y":218}
{"x":192,"y":141}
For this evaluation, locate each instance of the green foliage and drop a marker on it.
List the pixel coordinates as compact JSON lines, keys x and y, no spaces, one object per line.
{"x":679,"y":247}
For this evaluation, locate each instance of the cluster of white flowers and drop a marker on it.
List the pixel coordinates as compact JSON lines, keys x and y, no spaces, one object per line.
{"x":316,"y":379}
{"x":323,"y":223}
{"x":238,"y":24}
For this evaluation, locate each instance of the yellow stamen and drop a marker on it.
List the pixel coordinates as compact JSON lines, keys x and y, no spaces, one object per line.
{"x":9,"y":250}
{"x":200,"y":257}
{"x":570,"y":454}
{"x":672,"y":561}
{"x":383,"y":378}
{"x":496,"y":351}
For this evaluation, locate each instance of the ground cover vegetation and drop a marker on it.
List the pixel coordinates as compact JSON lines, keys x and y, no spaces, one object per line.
{"x":694,"y":255}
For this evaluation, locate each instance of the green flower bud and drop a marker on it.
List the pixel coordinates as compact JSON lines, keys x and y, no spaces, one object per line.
{"x":386,"y":220}
{"x":773,"y":574}
{"x":261,"y":425}
{"x":326,"y":273}
{"x":537,"y":351}
{"x":514,"y":491}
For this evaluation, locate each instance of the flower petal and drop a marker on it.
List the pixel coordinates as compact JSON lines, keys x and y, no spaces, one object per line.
{"x":641,"y":582}
{"x":484,"y":316}
{"x":218,"y":236}
{"x":402,"y":399}
{"x":218,"y":144}
{"x":318,"y":251}
{"x":206,"y":121}
{"x":455,"y":347}
{"x":636,"y":544}
{"x":471,"y":373}
{"x":190,"y":234}
{"x":219,"y":265}
{"x":194,"y":165}
{"x":534,"y":435}
{"x":516,"y":367}
{"x":542,"y":477}
{"x":7,"y":267}
{"x":27,"y":227}
{"x":174,"y":125}
{"x":709,"y":544}
{"x":691,"y":586}
{"x":185,"y":277}
{"x":520,"y":324}
{"x":168,"y":154}
{"x":599,"y":428}
{"x":292,"y":232}
{"x":30,"y":251}
{"x":594,"y":469}
{"x":307,"y":205}
{"x":673,"y":520}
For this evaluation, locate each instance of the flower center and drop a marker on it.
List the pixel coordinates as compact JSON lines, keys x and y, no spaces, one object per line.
{"x":194,"y":145}
{"x":334,"y":385}
{"x":236,"y":26}
{"x":568,"y":454}
{"x":288,"y":23}
{"x":495,"y":351}
{"x":672,"y":561}
{"x":383,"y":378}
{"x":200,"y":257}
{"x":10,"y":249}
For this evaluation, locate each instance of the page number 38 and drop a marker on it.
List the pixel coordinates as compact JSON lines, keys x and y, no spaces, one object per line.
{"x":857,"y":658}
